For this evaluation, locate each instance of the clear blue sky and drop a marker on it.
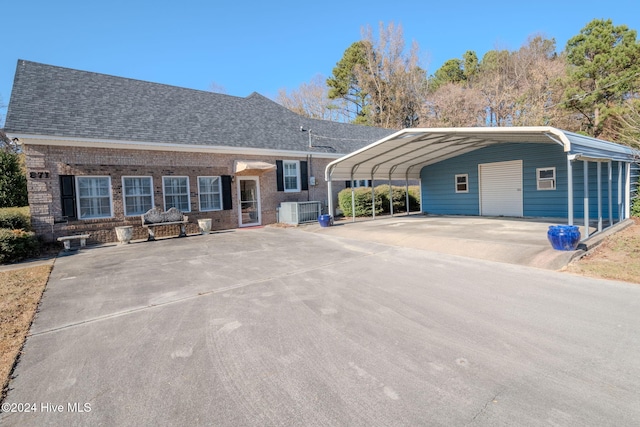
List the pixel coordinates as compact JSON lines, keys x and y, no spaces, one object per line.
{"x":261,"y":46}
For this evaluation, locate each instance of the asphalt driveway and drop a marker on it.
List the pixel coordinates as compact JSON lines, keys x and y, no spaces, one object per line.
{"x":285,"y":327}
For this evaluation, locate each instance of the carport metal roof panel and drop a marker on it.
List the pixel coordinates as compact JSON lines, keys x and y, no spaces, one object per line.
{"x":403,"y":154}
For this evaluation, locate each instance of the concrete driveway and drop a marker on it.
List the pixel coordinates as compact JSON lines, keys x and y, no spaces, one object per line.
{"x":521,"y":241}
{"x":285,"y":327}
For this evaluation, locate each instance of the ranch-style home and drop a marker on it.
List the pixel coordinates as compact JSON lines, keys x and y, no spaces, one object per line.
{"x":101,"y":151}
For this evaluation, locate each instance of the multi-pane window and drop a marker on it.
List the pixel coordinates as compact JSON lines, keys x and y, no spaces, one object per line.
{"x":176,"y":193}
{"x":138,"y":194}
{"x":210,"y":193}
{"x":462,"y":183}
{"x":94,"y":196}
{"x":291,"y":175}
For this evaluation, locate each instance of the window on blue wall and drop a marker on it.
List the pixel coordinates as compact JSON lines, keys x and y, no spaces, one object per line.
{"x":546,"y":178}
{"x":462,"y":183}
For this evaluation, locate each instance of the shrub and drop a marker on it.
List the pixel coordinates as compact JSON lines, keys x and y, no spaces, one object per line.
{"x":363,"y":200}
{"x":13,"y":181}
{"x":635,"y":206}
{"x":15,"y":218}
{"x":16,"y":245}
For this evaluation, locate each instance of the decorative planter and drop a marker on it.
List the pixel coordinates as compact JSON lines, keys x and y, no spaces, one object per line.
{"x":205,"y":225}
{"x":124,"y":234}
{"x":324,"y":220}
{"x":564,"y":237}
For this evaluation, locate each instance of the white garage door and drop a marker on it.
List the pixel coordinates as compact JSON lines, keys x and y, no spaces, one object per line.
{"x":501,"y":188}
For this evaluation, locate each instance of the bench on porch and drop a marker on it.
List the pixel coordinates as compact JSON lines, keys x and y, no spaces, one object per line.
{"x":154,"y":218}
{"x":66,"y":240}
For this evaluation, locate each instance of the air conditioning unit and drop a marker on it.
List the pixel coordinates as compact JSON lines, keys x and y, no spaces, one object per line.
{"x":546,"y":184}
{"x":299,"y":212}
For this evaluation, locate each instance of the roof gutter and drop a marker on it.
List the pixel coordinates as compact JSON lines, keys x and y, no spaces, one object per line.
{"x":29,"y":139}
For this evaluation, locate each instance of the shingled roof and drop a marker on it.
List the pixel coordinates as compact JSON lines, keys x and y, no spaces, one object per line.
{"x":60,"y":102}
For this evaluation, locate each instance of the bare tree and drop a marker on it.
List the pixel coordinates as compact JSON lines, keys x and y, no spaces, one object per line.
{"x":627,"y":123}
{"x":311,"y":100}
{"x":454,"y":105}
{"x":392,"y":79}
{"x":217,"y":88}
{"x":6,"y":143}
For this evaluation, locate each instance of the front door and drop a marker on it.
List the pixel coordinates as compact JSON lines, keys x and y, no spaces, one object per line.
{"x":249,"y":194}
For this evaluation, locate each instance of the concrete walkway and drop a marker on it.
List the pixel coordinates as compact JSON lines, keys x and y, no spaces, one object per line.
{"x":287,"y":327}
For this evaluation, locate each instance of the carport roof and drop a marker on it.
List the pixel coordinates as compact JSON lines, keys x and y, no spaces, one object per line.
{"x":403,"y":154}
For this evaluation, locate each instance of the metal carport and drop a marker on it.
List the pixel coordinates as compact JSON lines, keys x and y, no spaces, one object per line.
{"x":403,"y":155}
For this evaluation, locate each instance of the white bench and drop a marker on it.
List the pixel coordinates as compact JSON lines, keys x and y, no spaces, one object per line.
{"x":67,"y":240}
{"x":154,"y":218}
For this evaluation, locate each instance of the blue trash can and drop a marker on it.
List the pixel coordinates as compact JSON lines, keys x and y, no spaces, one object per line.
{"x":324,"y":220}
{"x":564,"y":237}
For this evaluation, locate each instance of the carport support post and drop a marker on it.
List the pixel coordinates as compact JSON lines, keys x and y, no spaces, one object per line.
{"x":330,"y":193}
{"x":353,"y":201}
{"x":569,"y":191}
{"x":619,"y":191}
{"x":390,"y":196}
{"x":609,"y":179}
{"x":406,"y":193}
{"x":627,"y":191}
{"x":585,"y":165}
{"x":599,"y":174}
{"x":373,"y":199}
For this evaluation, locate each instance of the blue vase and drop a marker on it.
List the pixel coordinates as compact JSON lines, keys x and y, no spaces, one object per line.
{"x":324,"y":220}
{"x":564,"y":237}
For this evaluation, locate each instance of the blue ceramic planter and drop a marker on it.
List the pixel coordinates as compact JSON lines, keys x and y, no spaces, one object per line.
{"x":324,"y":220}
{"x":564,"y":237}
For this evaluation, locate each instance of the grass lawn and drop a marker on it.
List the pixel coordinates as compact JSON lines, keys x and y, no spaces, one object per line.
{"x":617,"y":258}
{"x":20,"y":293}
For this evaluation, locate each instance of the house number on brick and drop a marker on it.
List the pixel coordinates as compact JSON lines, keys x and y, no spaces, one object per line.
{"x":39,"y":175}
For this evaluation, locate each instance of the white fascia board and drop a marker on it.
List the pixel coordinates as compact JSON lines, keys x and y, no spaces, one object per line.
{"x":26,"y":139}
{"x":478,"y":131}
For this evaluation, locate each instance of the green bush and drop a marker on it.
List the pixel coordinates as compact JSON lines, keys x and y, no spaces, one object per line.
{"x":15,"y":218}
{"x":13,"y":181}
{"x":635,"y":207}
{"x":363,"y":200}
{"x":16,"y":245}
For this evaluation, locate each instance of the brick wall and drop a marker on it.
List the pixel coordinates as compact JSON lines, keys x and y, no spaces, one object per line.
{"x":45,"y":164}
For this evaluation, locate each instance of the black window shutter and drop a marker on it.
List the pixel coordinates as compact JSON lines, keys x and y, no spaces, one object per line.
{"x":304,"y":175}
{"x":226,"y":192}
{"x":280,"y":175}
{"x":68,"y":196}
{"x":347,"y":184}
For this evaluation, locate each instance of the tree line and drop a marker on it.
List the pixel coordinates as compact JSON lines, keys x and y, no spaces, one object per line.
{"x":591,"y":87}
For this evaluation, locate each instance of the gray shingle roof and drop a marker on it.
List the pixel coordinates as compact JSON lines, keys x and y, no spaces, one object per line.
{"x":56,"y":101}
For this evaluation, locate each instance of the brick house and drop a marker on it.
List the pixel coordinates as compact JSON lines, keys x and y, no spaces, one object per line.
{"x":102,"y":150}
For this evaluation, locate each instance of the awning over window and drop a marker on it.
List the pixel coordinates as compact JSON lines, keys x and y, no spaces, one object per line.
{"x":252,"y":167}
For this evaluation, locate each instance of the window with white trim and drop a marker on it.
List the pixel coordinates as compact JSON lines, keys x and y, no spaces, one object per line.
{"x":546,"y":178}
{"x":137,"y":194}
{"x":176,"y":193}
{"x":462,"y":183}
{"x":94,"y":197}
{"x":291,"y":175}
{"x":210,"y":193}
